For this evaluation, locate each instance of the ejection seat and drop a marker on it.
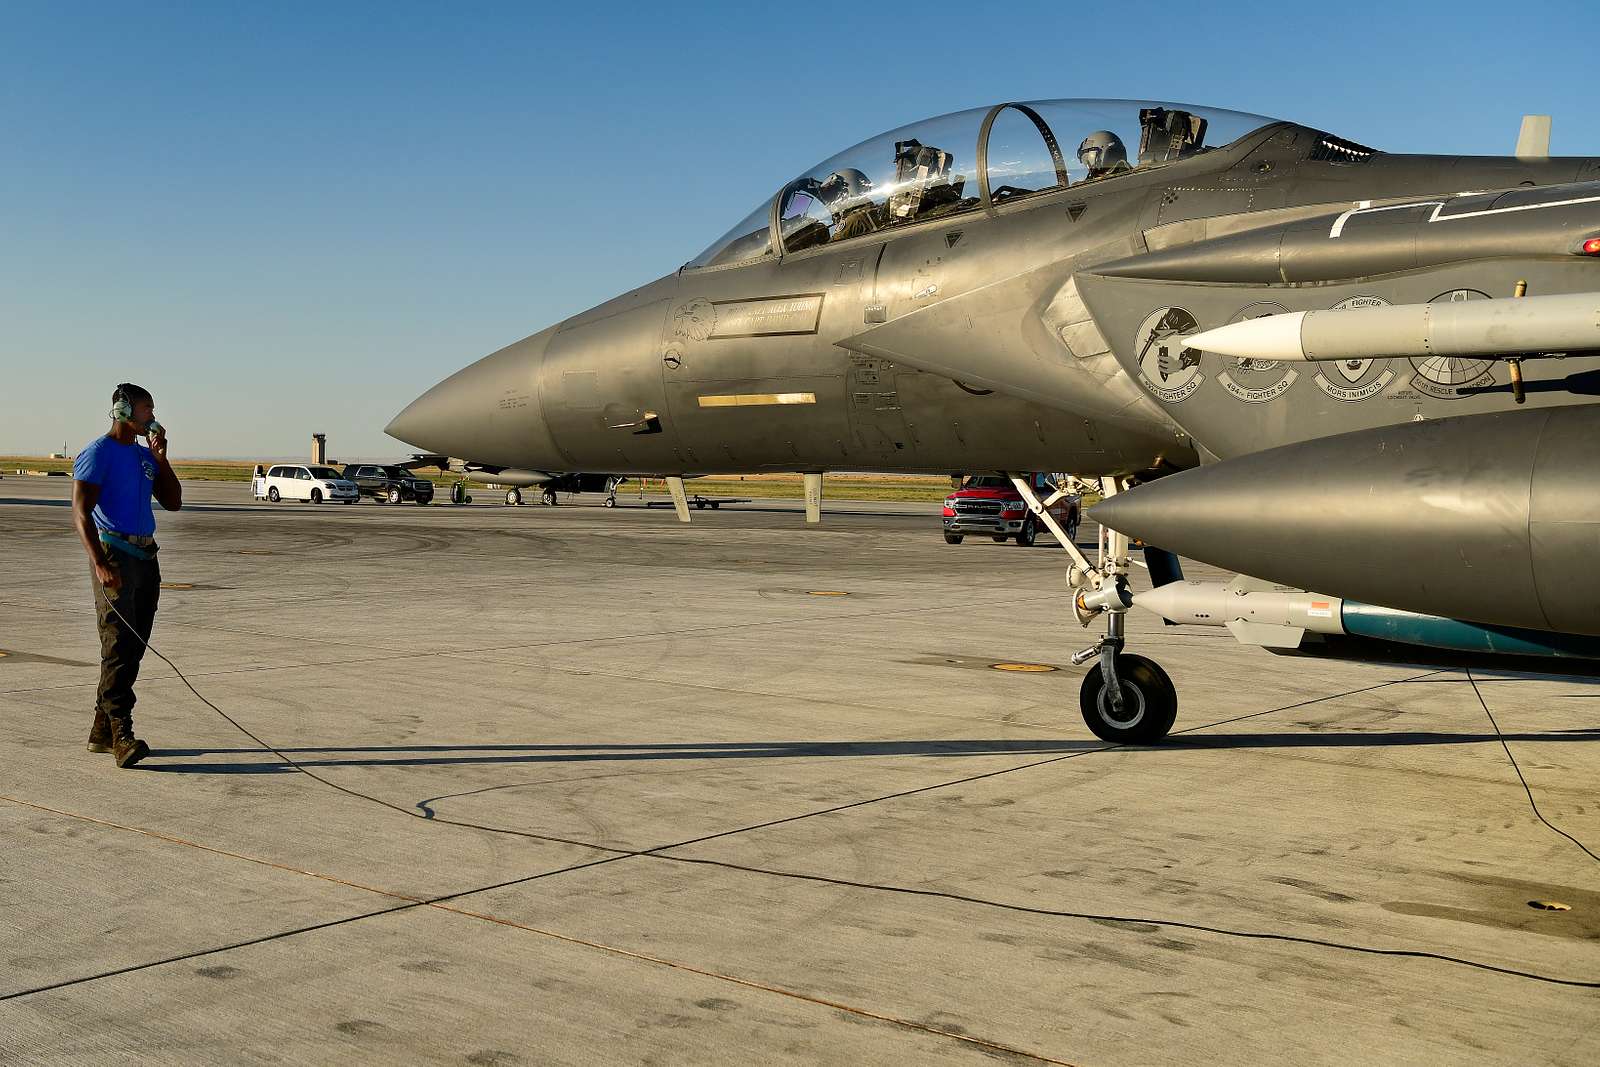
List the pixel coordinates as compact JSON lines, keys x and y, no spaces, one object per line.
{"x":922,"y":182}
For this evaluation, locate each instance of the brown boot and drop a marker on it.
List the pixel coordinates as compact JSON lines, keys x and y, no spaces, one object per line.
{"x":125,"y":748}
{"x":100,"y":733}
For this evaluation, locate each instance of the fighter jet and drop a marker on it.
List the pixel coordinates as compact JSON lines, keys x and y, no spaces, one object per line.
{"x":514,"y":480}
{"x":1361,"y":379}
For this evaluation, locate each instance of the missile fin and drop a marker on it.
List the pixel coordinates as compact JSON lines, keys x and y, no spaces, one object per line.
{"x":1265,"y":634}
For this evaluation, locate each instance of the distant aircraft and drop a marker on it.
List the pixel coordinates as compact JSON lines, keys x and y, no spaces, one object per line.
{"x":514,"y":479}
{"x":1190,"y":288}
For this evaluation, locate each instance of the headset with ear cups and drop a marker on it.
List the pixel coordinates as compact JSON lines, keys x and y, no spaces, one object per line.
{"x":121,"y":406}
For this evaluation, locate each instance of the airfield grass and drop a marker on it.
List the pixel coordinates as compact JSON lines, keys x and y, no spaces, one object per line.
{"x":911,"y":487}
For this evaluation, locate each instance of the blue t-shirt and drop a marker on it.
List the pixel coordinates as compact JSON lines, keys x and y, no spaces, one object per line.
{"x":126,"y":475}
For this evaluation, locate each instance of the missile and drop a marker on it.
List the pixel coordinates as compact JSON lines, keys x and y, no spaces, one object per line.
{"x":1256,"y":612}
{"x":1569,"y":322}
{"x":1278,"y":618}
{"x":1488,"y":518}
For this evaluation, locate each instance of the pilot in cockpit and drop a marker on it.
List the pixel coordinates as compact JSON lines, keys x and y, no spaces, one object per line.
{"x":847,"y":193}
{"x":1104,"y":154}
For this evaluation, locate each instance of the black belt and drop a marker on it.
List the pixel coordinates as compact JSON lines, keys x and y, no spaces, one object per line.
{"x":139,"y":546}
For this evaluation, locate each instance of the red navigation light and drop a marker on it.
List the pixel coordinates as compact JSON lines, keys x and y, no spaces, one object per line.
{"x":1591,"y":247}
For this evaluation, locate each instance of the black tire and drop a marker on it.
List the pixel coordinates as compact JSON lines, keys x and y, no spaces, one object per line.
{"x":513,"y":497}
{"x":715,"y":505}
{"x":954,"y":539}
{"x":610,"y":502}
{"x":548,"y":498}
{"x":272,"y":494}
{"x":699,"y":505}
{"x":1029,"y":533}
{"x":393,"y":495}
{"x":316,"y":496}
{"x":1150,"y":702}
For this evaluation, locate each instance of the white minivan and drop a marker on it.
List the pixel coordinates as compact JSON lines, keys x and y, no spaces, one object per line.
{"x":289,"y":481}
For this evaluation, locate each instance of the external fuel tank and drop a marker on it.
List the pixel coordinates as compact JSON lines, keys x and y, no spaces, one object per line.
{"x":1491,"y":518}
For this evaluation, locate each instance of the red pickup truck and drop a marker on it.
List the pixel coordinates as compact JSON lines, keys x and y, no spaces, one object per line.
{"x":990,"y":504}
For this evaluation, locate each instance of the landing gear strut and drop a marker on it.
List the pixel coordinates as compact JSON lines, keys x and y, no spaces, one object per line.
{"x":1129,"y":699}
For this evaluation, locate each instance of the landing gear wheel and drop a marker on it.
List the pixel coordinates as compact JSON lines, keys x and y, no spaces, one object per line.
{"x":610,"y":502}
{"x":316,"y":496}
{"x":272,"y":494}
{"x":1149,"y":702}
{"x":548,"y":498}
{"x":954,"y":539}
{"x":513,"y":497}
{"x":394,"y":494}
{"x":1030,"y":531}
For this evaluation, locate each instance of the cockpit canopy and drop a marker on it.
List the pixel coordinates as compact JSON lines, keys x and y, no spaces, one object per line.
{"x":953,"y":163}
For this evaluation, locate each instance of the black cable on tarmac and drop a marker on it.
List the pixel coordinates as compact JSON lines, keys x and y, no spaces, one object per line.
{"x":659,"y":852}
{"x":1532,"y":803}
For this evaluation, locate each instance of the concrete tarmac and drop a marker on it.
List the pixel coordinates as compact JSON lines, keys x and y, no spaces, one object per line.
{"x":731,"y":819}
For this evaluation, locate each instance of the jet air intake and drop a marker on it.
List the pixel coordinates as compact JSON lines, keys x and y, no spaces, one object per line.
{"x":1490,"y":518}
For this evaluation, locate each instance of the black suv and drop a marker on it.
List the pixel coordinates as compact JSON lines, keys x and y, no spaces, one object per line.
{"x":392,"y":484}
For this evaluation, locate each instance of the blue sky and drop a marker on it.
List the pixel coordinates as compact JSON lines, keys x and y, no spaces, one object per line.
{"x":290,"y":217}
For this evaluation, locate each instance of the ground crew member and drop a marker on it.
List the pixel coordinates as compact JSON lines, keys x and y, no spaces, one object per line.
{"x":113,"y":480}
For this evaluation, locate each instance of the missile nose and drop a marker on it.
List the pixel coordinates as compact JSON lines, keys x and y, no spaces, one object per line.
{"x":487,"y":412}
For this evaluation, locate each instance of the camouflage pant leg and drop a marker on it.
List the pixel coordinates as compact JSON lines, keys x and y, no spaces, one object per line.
{"x":122,"y":648}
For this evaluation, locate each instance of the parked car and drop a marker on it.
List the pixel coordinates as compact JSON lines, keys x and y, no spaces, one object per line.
{"x":293,"y":481}
{"x":389,"y":483}
{"x":990,"y":504}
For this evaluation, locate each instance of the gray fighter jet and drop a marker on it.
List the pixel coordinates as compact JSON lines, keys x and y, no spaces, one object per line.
{"x":1191,"y":292}
{"x":514,"y":480}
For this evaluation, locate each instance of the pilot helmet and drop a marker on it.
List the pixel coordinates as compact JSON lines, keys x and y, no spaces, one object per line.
{"x":1102,"y":152}
{"x":844,"y":185}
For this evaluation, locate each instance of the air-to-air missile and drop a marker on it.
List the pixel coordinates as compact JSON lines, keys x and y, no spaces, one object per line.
{"x":1192,"y":286}
{"x":1505,"y":327}
{"x":1288,"y":620}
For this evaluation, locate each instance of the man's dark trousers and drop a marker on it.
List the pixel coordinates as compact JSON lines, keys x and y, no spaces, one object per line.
{"x":121,"y":649}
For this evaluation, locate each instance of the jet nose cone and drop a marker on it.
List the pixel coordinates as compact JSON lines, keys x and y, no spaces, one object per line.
{"x":487,"y":412}
{"x":440,"y":420}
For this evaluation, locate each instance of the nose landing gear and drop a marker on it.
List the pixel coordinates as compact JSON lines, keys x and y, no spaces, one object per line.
{"x":1129,"y":700}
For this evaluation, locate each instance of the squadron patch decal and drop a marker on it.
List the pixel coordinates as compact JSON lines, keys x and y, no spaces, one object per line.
{"x":1256,"y":381}
{"x":1355,"y":380}
{"x":1168,"y":368}
{"x":1448,"y":377}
